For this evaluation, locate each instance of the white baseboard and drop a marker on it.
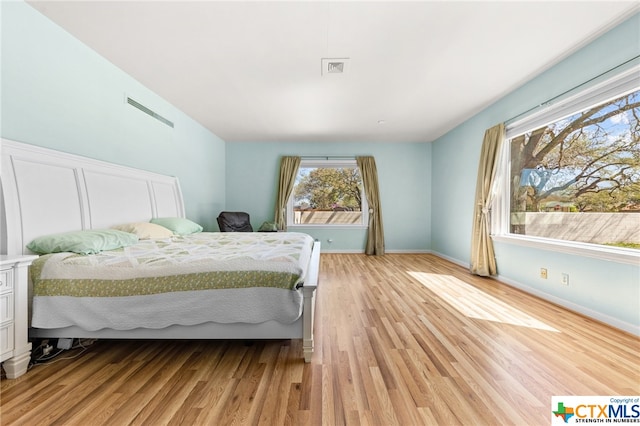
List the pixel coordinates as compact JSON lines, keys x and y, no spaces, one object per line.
{"x":598,"y":316}
{"x":408,"y":251}
{"x":386,"y":251}
{"x":451,"y":259}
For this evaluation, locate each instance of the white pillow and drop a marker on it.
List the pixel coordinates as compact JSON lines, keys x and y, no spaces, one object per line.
{"x":145,"y":230}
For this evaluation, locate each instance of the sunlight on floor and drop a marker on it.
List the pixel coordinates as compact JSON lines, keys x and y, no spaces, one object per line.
{"x":474,"y":303}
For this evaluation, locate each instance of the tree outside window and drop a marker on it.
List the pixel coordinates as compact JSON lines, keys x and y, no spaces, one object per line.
{"x":328,"y":193}
{"x":578,"y":178}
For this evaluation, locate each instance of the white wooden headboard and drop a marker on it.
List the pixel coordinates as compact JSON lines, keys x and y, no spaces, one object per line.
{"x":47,"y":192}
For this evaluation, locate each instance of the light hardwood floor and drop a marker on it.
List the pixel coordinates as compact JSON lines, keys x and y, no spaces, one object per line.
{"x":400,"y":339}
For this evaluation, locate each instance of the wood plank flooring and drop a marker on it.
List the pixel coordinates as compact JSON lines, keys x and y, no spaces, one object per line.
{"x":401,"y":339}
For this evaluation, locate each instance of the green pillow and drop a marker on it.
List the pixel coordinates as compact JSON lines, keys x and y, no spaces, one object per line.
{"x":90,"y":241}
{"x":178,"y":225}
{"x":268,"y":227}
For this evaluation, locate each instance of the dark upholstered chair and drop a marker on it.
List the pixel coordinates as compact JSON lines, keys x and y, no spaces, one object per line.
{"x":234,"y":222}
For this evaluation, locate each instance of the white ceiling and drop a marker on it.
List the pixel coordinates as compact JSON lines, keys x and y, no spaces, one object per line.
{"x":251,"y":71}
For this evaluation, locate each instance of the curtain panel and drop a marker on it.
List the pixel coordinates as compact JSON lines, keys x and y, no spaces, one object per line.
{"x":375,"y":234}
{"x":483,"y":259}
{"x":288,"y":170}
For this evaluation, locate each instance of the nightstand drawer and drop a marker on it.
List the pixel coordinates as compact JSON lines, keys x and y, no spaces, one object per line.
{"x":6,"y":280}
{"x":6,"y":339}
{"x":15,"y":349}
{"x":6,"y":308}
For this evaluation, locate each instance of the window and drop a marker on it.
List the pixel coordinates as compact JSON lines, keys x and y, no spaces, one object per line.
{"x":571,"y":173}
{"x":328,"y":193}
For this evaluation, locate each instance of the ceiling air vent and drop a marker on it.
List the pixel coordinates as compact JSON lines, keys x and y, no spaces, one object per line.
{"x":334,"y":65}
{"x":149,"y":111}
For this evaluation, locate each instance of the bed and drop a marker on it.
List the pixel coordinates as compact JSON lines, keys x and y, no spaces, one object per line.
{"x":188,"y":295}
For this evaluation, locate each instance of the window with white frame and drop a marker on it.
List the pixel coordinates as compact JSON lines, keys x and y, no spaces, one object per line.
{"x":328,"y":192}
{"x":571,"y":173}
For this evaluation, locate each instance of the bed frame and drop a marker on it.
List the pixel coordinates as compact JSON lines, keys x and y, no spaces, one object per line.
{"x":45,"y":192}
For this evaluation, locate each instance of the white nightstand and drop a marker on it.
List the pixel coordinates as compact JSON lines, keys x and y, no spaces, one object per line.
{"x":15,"y":348}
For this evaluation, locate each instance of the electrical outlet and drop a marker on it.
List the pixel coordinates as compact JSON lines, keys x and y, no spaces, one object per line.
{"x":543,"y":273}
{"x":564,"y":279}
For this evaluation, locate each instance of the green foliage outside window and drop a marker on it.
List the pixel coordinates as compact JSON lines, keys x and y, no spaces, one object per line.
{"x":328,"y":188}
{"x":588,"y":162}
{"x":590,"y":159}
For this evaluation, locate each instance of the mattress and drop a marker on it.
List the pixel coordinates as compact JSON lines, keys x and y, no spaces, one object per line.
{"x":185,"y":280}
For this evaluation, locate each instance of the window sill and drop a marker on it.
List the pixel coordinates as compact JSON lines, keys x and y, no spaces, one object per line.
{"x":614,"y":254}
{"x":329,"y":226}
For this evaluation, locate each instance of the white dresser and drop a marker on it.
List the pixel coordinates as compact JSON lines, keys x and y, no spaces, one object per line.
{"x":15,"y":348}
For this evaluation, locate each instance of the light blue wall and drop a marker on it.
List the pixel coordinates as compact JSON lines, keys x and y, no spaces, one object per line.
{"x":404,"y":172}
{"x":608,"y":290}
{"x":58,"y":93}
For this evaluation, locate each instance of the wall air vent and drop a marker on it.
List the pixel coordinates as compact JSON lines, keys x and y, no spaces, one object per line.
{"x":146,"y":110}
{"x":334,"y":65}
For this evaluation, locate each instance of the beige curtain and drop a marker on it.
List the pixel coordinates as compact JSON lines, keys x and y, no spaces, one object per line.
{"x":288,"y":170}
{"x":483,"y":260}
{"x":375,"y":235}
